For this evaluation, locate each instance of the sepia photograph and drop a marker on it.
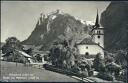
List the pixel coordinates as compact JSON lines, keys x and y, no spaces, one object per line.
{"x":64,"y":41}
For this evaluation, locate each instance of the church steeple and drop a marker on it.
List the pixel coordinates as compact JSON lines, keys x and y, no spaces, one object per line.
{"x":97,"y":20}
{"x":98,"y":32}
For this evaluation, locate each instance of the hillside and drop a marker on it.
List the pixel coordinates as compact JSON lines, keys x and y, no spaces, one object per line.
{"x":115,"y":21}
{"x":57,"y":26}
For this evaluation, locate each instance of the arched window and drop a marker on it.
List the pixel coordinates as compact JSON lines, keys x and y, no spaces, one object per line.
{"x":99,"y":32}
{"x":86,"y":53}
{"x":87,"y":47}
{"x":98,"y":36}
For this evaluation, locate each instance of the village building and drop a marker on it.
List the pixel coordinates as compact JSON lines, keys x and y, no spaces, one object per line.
{"x":40,"y":57}
{"x":90,"y":47}
{"x":19,"y":55}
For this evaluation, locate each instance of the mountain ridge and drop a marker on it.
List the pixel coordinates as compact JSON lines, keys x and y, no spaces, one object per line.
{"x":56,"y":26}
{"x":115,"y":21}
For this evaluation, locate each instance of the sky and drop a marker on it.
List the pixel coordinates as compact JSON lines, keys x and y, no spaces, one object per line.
{"x":18,"y":18}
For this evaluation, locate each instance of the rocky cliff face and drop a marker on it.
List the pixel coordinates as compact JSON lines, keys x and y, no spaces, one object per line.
{"x":115,"y":21}
{"x":57,"y":26}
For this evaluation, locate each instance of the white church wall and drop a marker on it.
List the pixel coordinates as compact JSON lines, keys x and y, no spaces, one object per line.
{"x":90,"y":49}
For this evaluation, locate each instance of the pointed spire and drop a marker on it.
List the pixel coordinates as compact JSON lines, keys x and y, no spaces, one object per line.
{"x":97,"y":20}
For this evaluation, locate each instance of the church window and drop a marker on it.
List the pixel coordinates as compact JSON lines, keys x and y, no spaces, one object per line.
{"x":87,"y":47}
{"x":86,"y":53}
{"x":98,"y":36}
{"x":99,"y":32}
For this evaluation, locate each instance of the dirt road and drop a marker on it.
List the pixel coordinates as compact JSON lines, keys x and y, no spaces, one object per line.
{"x":12,"y":73}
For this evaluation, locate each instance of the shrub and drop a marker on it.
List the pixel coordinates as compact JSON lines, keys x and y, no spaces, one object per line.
{"x":105,"y":76}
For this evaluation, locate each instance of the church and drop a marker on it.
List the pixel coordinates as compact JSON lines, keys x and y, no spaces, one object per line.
{"x":90,"y":47}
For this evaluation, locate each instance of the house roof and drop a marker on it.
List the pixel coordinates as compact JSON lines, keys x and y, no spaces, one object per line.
{"x":19,"y":52}
{"x":23,"y":53}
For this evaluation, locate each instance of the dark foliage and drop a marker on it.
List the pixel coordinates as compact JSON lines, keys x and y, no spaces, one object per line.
{"x":99,"y":64}
{"x":12,"y":43}
{"x":115,"y":21}
{"x":9,"y":50}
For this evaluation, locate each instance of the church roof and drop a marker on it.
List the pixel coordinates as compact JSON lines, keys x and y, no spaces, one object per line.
{"x":87,"y":41}
{"x":97,"y":20}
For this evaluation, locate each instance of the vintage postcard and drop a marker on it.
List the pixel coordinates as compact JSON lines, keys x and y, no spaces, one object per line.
{"x":64,"y":41}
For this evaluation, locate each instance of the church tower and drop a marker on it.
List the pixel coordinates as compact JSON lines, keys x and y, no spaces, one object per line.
{"x":98,"y":32}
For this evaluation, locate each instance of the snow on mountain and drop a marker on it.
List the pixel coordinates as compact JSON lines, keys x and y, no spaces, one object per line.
{"x":90,"y":22}
{"x":85,"y":22}
{"x":82,"y":21}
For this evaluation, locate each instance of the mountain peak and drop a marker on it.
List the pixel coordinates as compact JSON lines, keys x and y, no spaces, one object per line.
{"x":58,"y":11}
{"x":54,"y":25}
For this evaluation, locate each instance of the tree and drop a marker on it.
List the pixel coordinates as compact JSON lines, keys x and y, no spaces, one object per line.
{"x":12,"y":44}
{"x":121,"y":57}
{"x":54,"y":53}
{"x":62,"y":55}
{"x":99,"y":64}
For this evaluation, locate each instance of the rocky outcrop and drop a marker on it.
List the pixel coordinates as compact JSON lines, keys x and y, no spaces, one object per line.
{"x":57,"y":26}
